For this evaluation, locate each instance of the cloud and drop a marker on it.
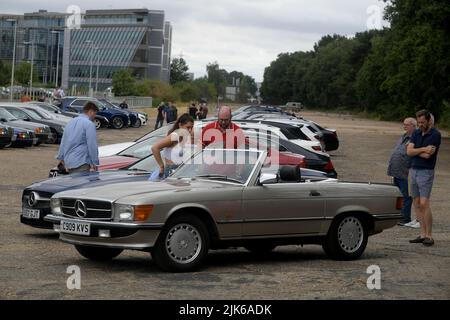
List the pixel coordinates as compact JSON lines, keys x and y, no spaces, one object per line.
{"x":243,"y":35}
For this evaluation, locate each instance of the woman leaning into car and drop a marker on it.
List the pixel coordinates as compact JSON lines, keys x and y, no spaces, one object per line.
{"x":175,"y":147}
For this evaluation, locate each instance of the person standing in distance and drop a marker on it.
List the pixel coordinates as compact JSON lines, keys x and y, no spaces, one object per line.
{"x":78,"y":151}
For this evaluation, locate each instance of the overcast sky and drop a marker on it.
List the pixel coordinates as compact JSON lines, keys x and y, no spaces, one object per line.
{"x":242,"y":35}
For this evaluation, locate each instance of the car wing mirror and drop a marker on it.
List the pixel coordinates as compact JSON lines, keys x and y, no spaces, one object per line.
{"x":3,"y":120}
{"x":267,"y":178}
{"x":26,"y":119}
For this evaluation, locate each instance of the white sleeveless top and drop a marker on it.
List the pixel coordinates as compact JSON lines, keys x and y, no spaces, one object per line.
{"x":180,"y":151}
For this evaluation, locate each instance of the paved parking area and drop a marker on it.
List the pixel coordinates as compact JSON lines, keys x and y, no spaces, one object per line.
{"x":33,"y":262}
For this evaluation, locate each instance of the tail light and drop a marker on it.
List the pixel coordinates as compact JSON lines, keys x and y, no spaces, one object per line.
{"x":399,"y":203}
{"x":317,"y":148}
{"x":329,"y":166}
{"x":303,"y":164}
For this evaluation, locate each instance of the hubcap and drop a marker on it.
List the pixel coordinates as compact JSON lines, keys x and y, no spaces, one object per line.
{"x":183,"y":243}
{"x":350,"y":234}
{"x":118,"y":122}
{"x":97,"y":124}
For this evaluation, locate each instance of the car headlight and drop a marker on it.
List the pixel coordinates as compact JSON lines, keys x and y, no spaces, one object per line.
{"x":126,"y":212}
{"x":55,"y":205}
{"x":38,"y":130}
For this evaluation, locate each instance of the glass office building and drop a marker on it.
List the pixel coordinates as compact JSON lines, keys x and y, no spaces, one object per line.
{"x":38,"y":35}
{"x":104,"y":42}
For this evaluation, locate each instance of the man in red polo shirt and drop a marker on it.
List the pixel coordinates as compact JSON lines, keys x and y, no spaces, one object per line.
{"x":223,"y":130}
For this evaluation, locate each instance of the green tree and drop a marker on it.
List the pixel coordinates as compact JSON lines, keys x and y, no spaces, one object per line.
{"x":5,"y":73}
{"x":178,"y":71}
{"x":218,"y":77}
{"x":124,"y":84}
{"x":23,"y":72}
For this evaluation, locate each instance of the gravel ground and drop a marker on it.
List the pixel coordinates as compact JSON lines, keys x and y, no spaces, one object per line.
{"x":33,"y":262}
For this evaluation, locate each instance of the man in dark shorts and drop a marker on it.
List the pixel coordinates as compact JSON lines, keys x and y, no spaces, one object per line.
{"x":423,"y":148}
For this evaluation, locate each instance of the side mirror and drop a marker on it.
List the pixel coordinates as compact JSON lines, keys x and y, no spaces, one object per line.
{"x":267,"y":178}
{"x":3,"y":120}
{"x":26,"y":119}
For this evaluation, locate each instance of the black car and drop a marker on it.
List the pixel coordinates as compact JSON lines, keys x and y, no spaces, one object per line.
{"x":23,"y":113}
{"x":6,"y":136}
{"x":41,"y":132}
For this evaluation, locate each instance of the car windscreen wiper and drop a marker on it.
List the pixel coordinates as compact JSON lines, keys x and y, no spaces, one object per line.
{"x":218,"y":177}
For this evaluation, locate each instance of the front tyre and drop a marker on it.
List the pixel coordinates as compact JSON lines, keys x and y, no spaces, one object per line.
{"x":97,"y":253}
{"x":117,"y":123}
{"x":182,"y":245}
{"x":347,"y":238}
{"x":98,"y":124}
{"x":137,"y":123}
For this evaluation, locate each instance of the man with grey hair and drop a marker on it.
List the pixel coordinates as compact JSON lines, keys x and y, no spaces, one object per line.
{"x":398,"y":168}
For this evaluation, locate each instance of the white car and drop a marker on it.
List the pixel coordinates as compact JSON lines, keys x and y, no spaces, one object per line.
{"x":47,"y":113}
{"x":113,"y":149}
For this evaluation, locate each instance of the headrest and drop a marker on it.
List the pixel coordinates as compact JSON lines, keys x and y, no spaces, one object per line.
{"x":290,"y":173}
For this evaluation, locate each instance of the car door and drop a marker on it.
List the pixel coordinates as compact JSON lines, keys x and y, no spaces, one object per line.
{"x":281,"y":209}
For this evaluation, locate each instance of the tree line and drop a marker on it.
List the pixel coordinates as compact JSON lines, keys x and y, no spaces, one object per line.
{"x":183,"y":88}
{"x":389,"y":73}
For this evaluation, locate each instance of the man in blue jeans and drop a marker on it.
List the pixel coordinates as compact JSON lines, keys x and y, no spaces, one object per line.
{"x":423,"y":148}
{"x":399,"y":165}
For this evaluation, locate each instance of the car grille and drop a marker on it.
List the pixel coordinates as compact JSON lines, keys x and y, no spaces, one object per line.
{"x":42,"y":203}
{"x":95,"y":210}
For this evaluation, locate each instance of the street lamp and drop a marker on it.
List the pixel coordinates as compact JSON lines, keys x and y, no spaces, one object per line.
{"x":90,"y":67}
{"x":57,"y":58}
{"x":14,"y":58}
{"x":96,"y":74}
{"x":32,"y":62}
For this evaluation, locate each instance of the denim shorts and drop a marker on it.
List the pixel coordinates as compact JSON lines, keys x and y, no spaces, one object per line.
{"x":421,"y":182}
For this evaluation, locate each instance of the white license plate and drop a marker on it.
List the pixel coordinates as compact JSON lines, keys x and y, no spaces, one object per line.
{"x":14,"y":138}
{"x":31,"y":213}
{"x":75,"y":227}
{"x":35,"y":140}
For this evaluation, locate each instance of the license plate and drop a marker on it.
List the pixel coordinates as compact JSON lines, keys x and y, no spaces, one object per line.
{"x":31,"y":213}
{"x":13,"y":138}
{"x":75,"y":227}
{"x":35,"y":140}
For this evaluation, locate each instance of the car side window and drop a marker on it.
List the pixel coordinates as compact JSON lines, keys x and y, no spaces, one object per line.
{"x":79,"y":102}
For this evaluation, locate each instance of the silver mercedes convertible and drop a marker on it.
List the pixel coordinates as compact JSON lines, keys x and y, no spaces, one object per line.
{"x":223,"y":198}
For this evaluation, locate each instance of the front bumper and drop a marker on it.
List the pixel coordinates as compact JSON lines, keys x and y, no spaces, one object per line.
{"x":124,"y":235}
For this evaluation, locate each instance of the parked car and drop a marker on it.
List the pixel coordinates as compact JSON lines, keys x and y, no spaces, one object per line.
{"x":137,"y":118}
{"x":6,"y":136}
{"x":327,"y":136}
{"x":118,"y":119}
{"x":219,"y":206}
{"x":251,"y":109}
{"x":99,"y":121}
{"x":42,"y":107}
{"x":41,"y":132}
{"x":36,"y":197}
{"x":28,"y":114}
